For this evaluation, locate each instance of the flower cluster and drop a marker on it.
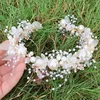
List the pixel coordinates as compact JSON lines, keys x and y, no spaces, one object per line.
{"x":58,"y":63}
{"x":17,"y":34}
{"x":16,"y":47}
{"x":66,"y":60}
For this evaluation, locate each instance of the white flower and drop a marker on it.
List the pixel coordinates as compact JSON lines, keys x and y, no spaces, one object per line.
{"x":87,"y":30}
{"x":58,"y":57}
{"x":81,"y":53}
{"x":13,"y":30}
{"x":65,"y":65}
{"x":53,"y":64}
{"x":22,"y":50}
{"x":11,"y":50}
{"x":67,"y":19}
{"x":40,"y":75}
{"x":9,"y":37}
{"x":68,"y":27}
{"x":68,"y":62}
{"x":16,"y":32}
{"x":94,"y":43}
{"x":84,"y":54}
{"x":63,"y":23}
{"x":41,"y":63}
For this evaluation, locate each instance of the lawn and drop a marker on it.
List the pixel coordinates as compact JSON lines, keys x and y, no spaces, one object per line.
{"x":83,"y":85}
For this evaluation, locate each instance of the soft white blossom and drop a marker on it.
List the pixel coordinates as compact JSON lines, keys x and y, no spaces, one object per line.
{"x":53,"y":64}
{"x":41,"y":63}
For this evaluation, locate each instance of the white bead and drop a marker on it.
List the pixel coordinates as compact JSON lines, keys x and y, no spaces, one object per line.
{"x":31,"y":53}
{"x":6,"y":26}
{"x":69,"y":50}
{"x":60,"y":51}
{"x":72,"y":32}
{"x":65,"y":79}
{"x":54,"y":78}
{"x":34,"y":80}
{"x":81,"y":28}
{"x":95,"y":37}
{"x":29,"y":72}
{"x":73,"y":49}
{"x":53,"y":50}
{"x":28,"y":78}
{"x":53,"y":89}
{"x":51,"y":76}
{"x":53,"y":54}
{"x":61,"y":76}
{"x":46,"y":53}
{"x":5,"y":64}
{"x":5,"y":30}
{"x":32,"y":59}
{"x":29,"y":69}
{"x":77,"y":34}
{"x":60,"y":85}
{"x":90,"y":63}
{"x":47,"y":74}
{"x":49,"y":55}
{"x":47,"y":80}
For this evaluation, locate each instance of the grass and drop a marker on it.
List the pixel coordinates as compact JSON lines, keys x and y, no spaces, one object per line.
{"x":84,"y":85}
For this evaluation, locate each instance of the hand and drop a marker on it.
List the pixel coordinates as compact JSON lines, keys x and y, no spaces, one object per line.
{"x":7,"y":82}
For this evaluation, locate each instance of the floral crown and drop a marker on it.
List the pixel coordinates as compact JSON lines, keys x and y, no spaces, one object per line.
{"x":56,"y":64}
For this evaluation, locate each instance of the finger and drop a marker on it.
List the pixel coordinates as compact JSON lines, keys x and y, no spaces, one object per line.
{"x":4,"y":69}
{"x":11,"y":81}
{"x":3,"y":51}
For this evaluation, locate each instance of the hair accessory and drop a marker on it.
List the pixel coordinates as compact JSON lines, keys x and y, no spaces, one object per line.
{"x":56,"y":64}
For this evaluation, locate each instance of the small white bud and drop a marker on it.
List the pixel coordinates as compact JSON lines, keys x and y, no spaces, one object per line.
{"x":60,"y":85}
{"x":81,"y":28}
{"x":47,"y":80}
{"x":53,"y":89}
{"x":32,"y":59}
